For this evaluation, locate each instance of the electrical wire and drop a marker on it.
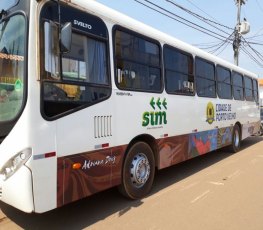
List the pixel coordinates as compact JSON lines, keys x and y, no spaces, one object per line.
{"x":251,"y":57}
{"x":181,"y":20}
{"x":258,"y":58}
{"x":224,"y":45}
{"x":255,"y":51}
{"x":203,"y":19}
{"x":200,"y":9}
{"x":212,"y":47}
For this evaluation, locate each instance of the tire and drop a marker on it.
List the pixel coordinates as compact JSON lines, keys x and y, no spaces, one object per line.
{"x":236,"y":139}
{"x":138,"y":171}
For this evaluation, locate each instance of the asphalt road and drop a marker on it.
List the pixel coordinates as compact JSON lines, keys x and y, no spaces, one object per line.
{"x":219,"y":191}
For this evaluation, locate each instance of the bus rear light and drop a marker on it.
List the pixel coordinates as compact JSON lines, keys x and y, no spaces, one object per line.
{"x":11,"y":166}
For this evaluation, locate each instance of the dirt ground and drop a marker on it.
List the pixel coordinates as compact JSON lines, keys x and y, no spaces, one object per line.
{"x":218,"y":191}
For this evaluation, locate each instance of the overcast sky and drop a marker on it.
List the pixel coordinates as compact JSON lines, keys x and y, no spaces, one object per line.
{"x":223,"y":12}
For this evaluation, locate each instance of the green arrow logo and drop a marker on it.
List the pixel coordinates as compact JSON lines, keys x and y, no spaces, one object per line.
{"x":152,"y":103}
{"x":158,"y":103}
{"x":164,"y":103}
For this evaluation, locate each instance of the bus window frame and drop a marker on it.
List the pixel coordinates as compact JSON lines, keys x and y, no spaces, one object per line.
{"x":255,"y":99}
{"x":167,"y":46}
{"x":217,"y":81}
{"x":233,"y":74}
{"x":61,"y":80}
{"x":8,"y":125}
{"x":196,"y":77}
{"x":252,"y":93}
{"x":141,"y":36}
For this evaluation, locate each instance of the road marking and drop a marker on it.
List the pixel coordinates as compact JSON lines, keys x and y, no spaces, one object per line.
{"x":200,"y":196}
{"x":216,"y":183}
{"x":234,"y":174}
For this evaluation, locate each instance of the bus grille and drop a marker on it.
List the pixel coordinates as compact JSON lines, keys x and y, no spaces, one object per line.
{"x":102,"y":126}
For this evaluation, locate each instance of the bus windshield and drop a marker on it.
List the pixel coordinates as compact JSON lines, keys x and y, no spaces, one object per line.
{"x":12,"y":51}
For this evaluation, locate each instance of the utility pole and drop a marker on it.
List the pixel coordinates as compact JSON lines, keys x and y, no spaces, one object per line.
{"x":237,"y":40}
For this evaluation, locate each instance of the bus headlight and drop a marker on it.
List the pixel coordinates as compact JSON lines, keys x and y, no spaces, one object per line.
{"x":11,"y":166}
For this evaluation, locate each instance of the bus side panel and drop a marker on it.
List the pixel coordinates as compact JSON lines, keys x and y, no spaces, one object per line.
{"x":250,"y":129}
{"x":173,"y":150}
{"x":85,"y":174}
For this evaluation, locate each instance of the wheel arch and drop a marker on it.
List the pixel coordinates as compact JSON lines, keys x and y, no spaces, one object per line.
{"x":240,"y":128}
{"x":148,"y":139}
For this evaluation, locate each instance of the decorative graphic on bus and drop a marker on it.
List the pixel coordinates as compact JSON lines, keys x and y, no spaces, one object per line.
{"x":156,"y":117}
{"x":224,"y":137}
{"x":203,"y":142}
{"x":210,"y":113}
{"x":88,"y":164}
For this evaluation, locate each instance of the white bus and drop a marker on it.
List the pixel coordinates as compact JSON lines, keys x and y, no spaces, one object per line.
{"x":91,"y":99}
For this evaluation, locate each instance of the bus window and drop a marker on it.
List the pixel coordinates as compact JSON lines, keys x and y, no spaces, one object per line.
{"x":179,"y":78}
{"x":205,"y":78}
{"x":248,"y":88}
{"x":224,"y":90}
{"x":137,"y":63}
{"x":12,"y":67}
{"x":238,"y":90}
{"x":255,"y":90}
{"x":84,"y":80}
{"x":86,"y":62}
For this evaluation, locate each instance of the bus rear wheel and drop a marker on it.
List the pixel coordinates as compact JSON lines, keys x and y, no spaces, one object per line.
{"x":261,"y":129}
{"x":236,"y":139}
{"x":138,"y":171}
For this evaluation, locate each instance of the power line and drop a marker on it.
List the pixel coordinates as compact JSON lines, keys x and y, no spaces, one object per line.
{"x":223,"y":44}
{"x":208,"y":46}
{"x":255,"y":43}
{"x":258,"y":54}
{"x":217,"y":48}
{"x":182,"y":20}
{"x":201,"y":9}
{"x":251,"y":57}
{"x":206,"y":20}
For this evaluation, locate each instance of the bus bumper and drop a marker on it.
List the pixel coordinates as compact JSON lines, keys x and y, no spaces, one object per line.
{"x":17,"y":190}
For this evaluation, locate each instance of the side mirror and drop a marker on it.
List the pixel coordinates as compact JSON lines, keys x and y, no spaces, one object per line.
{"x":65,"y":41}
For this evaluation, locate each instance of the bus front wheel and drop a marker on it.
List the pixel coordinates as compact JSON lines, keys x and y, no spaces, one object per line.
{"x":138,"y":171}
{"x":236,"y":139}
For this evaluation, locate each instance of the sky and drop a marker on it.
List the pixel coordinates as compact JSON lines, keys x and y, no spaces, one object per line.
{"x":222,"y":12}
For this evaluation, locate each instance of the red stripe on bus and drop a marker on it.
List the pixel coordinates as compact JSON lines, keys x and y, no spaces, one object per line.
{"x":106,"y":145}
{"x":52,"y":154}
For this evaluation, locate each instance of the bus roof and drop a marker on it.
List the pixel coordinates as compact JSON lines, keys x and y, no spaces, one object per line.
{"x":118,"y":18}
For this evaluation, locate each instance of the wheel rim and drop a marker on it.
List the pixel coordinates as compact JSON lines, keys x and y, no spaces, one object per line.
{"x":236,"y":138}
{"x":140,"y":170}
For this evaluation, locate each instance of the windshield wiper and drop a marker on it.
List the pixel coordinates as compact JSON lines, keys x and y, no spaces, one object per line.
{"x":3,"y":13}
{"x":3,"y":27}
